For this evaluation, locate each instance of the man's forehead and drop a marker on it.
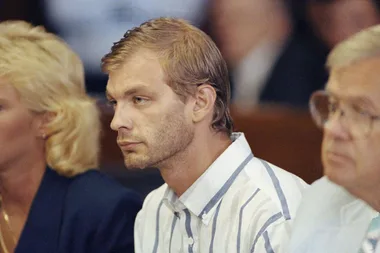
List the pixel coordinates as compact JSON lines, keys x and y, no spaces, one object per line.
{"x":123,"y":86}
{"x":356,"y":82}
{"x":130,"y":76}
{"x":118,"y":87}
{"x":347,"y":87}
{"x":365,"y":71}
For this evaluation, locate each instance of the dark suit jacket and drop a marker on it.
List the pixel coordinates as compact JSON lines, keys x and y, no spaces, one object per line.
{"x":87,"y":213}
{"x":299,"y":71}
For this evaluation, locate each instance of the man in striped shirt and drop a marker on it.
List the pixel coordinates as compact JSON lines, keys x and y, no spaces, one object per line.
{"x":169,"y":87}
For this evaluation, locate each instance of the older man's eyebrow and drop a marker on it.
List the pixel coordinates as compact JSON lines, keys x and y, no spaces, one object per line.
{"x":356,"y":100}
{"x":363,"y":101}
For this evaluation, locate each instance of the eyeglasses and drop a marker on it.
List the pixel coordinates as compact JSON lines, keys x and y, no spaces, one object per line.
{"x":324,"y":107}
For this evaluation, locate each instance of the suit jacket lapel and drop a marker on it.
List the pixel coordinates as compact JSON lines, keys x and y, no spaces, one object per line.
{"x":41,"y":230}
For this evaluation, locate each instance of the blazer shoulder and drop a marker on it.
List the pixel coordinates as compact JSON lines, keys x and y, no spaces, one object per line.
{"x":94,"y":190}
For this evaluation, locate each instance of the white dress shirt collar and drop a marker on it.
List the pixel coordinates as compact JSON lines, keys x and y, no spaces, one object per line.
{"x":205,"y":194}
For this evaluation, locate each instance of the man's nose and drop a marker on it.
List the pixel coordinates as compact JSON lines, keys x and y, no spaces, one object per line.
{"x":335,"y":126}
{"x":121,"y":118}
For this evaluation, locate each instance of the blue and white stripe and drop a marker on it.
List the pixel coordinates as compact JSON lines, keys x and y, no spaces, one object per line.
{"x":241,"y":204}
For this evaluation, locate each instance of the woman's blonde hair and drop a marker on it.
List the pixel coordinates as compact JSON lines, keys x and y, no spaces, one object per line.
{"x":363,"y":45}
{"x":49,"y":78}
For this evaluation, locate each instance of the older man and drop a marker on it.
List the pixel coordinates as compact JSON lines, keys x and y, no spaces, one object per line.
{"x":340,"y":212}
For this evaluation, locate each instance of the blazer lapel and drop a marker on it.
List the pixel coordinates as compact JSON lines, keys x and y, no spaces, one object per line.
{"x":41,"y":230}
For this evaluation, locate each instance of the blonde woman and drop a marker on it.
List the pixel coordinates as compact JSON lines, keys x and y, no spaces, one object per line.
{"x":52,"y":200}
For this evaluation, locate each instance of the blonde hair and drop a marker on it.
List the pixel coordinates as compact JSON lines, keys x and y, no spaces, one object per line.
{"x":363,"y":45}
{"x":49,"y":78}
{"x":188,"y":57}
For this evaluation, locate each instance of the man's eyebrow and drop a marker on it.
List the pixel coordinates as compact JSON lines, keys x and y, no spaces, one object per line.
{"x":362,"y":100}
{"x":138,"y":88}
{"x":133,"y":90}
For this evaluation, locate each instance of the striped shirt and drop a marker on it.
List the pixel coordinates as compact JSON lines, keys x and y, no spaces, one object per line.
{"x":240,"y":204}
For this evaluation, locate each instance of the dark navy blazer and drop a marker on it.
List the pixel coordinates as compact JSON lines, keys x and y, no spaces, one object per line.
{"x":87,"y":213}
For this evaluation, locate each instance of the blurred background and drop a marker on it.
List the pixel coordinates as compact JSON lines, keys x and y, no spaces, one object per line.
{"x":275,"y":50}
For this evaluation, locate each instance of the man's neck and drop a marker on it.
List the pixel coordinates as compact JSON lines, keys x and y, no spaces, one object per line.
{"x":19,"y":184}
{"x":189,"y":165}
{"x":374,"y":200}
{"x":370,"y":195}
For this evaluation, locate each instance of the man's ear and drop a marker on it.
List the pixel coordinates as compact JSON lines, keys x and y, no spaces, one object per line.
{"x":205,"y":97}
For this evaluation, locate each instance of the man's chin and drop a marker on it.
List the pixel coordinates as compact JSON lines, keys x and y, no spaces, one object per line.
{"x":135,"y":166}
{"x":332,"y":173}
{"x":339,"y":176}
{"x":133,"y":161}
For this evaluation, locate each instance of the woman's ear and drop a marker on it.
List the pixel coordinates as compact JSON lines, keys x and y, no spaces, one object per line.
{"x":43,"y":121}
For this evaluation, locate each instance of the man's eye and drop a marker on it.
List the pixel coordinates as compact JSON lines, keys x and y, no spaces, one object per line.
{"x":111,"y":103}
{"x":360,"y":110}
{"x":139,"y":100}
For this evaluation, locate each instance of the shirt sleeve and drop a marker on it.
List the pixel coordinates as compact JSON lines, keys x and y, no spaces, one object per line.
{"x":274,"y":239}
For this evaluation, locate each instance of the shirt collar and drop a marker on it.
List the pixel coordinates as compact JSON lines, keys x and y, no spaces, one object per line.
{"x":205,"y":194}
